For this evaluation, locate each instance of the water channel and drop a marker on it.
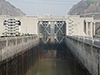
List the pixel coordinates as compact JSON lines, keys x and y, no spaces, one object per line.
{"x":57,"y":60}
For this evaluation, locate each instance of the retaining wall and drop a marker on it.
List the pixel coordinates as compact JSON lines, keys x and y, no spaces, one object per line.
{"x":10,"y":46}
{"x":87,"y":50}
{"x":20,"y":63}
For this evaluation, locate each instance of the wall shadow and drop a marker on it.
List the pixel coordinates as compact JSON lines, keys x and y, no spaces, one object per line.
{"x":56,"y":51}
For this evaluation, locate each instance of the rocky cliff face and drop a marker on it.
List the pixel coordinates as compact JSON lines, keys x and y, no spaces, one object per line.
{"x":84,"y":8}
{"x":78,"y":8}
{"x":7,"y":9}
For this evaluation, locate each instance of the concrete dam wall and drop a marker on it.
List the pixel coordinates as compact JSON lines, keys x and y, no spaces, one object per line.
{"x":18,"y":54}
{"x":10,"y":46}
{"x":87,"y":50}
{"x":20,"y":63}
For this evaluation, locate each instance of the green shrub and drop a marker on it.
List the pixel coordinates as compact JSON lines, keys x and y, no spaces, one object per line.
{"x":92,"y":1}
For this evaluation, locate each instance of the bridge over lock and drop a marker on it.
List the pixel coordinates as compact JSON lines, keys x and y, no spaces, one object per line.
{"x":63,"y":44}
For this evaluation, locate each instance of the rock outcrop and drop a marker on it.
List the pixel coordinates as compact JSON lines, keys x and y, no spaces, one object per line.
{"x":7,"y":9}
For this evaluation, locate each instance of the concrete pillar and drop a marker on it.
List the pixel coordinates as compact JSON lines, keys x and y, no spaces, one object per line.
{"x":94,"y":28}
{"x":7,"y":46}
{"x":38,"y":25}
{"x":52,"y":32}
{"x":87,"y":28}
{"x":16,"y":42}
{"x":67,"y":28}
{"x":91,"y":29}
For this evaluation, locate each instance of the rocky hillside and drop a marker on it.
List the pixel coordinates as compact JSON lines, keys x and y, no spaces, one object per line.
{"x":7,"y":9}
{"x":78,"y":8}
{"x":84,"y":7}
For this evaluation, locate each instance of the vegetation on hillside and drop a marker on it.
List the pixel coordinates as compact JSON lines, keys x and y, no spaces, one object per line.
{"x":92,"y":1}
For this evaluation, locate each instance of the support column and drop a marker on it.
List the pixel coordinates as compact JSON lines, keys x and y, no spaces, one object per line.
{"x":87,"y":28}
{"x":91,"y":29}
{"x":67,"y":28}
{"x":94,"y":29}
{"x":52,"y":31}
{"x":6,"y":56}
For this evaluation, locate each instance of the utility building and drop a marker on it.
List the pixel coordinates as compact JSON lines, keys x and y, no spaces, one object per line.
{"x":11,"y":27}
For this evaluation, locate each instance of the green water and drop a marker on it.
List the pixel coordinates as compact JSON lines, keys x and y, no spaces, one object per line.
{"x":50,"y":67}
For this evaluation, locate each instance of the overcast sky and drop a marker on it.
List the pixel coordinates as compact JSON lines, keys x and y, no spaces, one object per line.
{"x":39,"y":7}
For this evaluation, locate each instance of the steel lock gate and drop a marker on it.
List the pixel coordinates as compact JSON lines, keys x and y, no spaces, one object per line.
{"x":52,"y":31}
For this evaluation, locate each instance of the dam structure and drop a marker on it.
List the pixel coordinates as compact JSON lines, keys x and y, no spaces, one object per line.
{"x":49,"y":45}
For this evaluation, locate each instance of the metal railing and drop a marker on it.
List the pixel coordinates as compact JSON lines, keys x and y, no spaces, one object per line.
{"x":88,"y":40}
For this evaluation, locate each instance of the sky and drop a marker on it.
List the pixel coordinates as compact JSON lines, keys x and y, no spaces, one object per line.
{"x":39,"y":7}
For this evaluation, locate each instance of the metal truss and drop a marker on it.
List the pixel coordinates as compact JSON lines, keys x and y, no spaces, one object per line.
{"x":52,"y":30}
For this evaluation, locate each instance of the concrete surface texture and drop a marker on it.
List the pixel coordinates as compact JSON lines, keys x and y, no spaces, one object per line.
{"x":13,"y":45}
{"x":87,"y":50}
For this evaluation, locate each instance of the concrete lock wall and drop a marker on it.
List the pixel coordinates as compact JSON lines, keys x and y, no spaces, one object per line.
{"x":86,"y":51}
{"x":20,"y":63}
{"x":14,"y":45}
